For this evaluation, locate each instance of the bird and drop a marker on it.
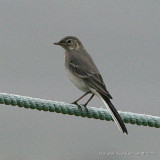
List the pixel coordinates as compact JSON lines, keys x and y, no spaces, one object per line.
{"x":85,"y":75}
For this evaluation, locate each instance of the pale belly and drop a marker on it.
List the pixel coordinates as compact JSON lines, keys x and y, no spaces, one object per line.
{"x":78,"y":82}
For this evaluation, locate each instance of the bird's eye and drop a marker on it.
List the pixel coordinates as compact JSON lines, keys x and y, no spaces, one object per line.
{"x":69,"y":41}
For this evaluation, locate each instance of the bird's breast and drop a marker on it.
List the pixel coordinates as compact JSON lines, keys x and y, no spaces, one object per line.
{"x":77,"y":81}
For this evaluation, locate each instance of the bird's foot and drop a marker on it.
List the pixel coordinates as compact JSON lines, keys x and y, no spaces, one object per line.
{"x":75,"y":102}
{"x":79,"y":106}
{"x":85,"y":106}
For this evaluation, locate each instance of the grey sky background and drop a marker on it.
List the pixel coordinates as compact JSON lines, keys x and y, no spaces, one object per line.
{"x":123,"y":37}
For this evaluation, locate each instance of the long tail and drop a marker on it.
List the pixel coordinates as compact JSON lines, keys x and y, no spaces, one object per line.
{"x":114,"y":113}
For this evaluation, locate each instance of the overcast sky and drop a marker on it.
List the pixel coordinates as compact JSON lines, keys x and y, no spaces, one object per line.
{"x":122,"y":36}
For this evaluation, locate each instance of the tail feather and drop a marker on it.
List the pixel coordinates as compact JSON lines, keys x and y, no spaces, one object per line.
{"x":114,"y":113}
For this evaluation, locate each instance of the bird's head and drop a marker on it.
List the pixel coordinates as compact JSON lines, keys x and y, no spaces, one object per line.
{"x":70,"y":43}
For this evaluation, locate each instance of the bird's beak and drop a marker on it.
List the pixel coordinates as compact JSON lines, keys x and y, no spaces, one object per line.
{"x":58,"y":43}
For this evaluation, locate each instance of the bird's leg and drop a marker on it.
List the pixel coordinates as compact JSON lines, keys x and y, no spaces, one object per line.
{"x":75,"y":102}
{"x":85,"y":105}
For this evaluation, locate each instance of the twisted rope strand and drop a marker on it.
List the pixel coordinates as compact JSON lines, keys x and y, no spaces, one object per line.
{"x":70,"y":109}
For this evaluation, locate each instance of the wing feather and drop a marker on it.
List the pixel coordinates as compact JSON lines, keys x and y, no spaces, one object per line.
{"x":92,"y":78}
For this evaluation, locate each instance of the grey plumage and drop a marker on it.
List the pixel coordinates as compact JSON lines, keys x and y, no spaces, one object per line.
{"x":83,"y":72}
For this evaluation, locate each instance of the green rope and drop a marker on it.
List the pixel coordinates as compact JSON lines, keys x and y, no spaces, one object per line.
{"x":64,"y":108}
